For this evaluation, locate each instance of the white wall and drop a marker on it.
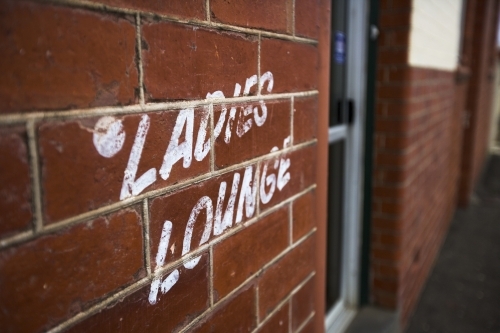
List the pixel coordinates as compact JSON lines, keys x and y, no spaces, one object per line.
{"x":435,"y":33}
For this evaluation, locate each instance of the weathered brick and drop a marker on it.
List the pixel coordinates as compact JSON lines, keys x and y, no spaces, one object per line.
{"x":76,"y":178}
{"x":305,"y":117}
{"x":261,"y":14}
{"x":240,"y":256}
{"x":283,"y":276}
{"x":183,"y":302}
{"x":303,"y":304}
{"x":184,"y":62}
{"x":304,"y":214}
{"x":192,"y":9}
{"x":307,"y":18}
{"x":302,"y":175}
{"x":259,"y":140}
{"x":177,"y":208}
{"x":294,"y":65}
{"x":234,"y":315}
{"x":55,"y":276}
{"x":15,"y":190}
{"x":278,"y":323}
{"x":58,"y":58}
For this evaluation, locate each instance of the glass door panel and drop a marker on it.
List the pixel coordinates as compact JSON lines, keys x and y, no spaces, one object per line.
{"x":345,"y":164}
{"x":336,"y":154}
{"x":335,"y":214}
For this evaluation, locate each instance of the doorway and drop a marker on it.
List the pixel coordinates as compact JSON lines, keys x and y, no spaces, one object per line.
{"x":345,"y":160}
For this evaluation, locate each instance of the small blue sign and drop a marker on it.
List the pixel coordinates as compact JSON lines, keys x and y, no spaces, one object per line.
{"x":339,"y":47}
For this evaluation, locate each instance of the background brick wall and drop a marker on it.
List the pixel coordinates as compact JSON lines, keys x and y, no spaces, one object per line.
{"x":417,"y":161}
{"x":418,"y":155}
{"x":79,"y":250}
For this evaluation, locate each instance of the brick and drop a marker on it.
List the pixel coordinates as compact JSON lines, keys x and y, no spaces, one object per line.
{"x":303,"y":304}
{"x":192,"y":9}
{"x":386,"y":254}
{"x":234,"y":315}
{"x":388,"y":238}
{"x":294,"y":65}
{"x":278,"y":323}
{"x":397,"y":142}
{"x":283,"y":276}
{"x":309,"y":327}
{"x":401,"y":37}
{"x":55,"y":276}
{"x":172,"y":311}
{"x":304,"y":214}
{"x":307,"y":18}
{"x":259,"y":140}
{"x":76,"y":178}
{"x":395,"y":18}
{"x":177,"y":208}
{"x":260,"y":14}
{"x":391,"y":159}
{"x":394,"y":91}
{"x":390,"y":176}
{"x":387,"y":191}
{"x":396,"y":4}
{"x":302,"y":175}
{"x":398,"y":38}
{"x":398,"y":108}
{"x":392,"y":125}
{"x":399,"y":74}
{"x":385,"y":270}
{"x":242,"y":255}
{"x":184,"y":62}
{"x":15,"y":191}
{"x":394,"y":223}
{"x":393,"y":208}
{"x":305,"y":117}
{"x":46,"y":66}
{"x":386,"y":285}
{"x":392,"y":56}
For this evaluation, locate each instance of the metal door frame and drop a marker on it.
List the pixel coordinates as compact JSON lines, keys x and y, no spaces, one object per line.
{"x":339,"y":317}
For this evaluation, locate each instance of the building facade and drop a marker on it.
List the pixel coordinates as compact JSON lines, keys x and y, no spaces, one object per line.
{"x":300,"y":161}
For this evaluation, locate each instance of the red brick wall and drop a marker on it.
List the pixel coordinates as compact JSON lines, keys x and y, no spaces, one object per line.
{"x":131,"y":199}
{"x":417,"y":161}
{"x":415,"y":179}
{"x":418,"y":153}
